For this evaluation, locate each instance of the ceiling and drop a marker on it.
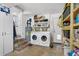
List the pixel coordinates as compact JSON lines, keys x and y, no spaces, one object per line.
{"x":41,"y":8}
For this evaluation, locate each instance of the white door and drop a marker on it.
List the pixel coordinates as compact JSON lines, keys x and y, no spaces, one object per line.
{"x":8,"y":32}
{"x":1,"y":33}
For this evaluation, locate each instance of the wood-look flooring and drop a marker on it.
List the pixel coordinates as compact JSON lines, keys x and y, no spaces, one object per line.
{"x":35,"y":50}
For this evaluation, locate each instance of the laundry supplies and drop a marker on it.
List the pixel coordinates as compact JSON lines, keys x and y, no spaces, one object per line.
{"x":66,"y":33}
{"x":77,"y":18}
{"x":74,"y":52}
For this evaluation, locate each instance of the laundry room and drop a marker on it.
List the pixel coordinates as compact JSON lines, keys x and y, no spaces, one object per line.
{"x":39,"y":29}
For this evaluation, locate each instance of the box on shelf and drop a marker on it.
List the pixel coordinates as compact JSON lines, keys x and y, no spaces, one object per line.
{"x":74,"y":52}
{"x":38,"y":18}
{"x":77,"y":18}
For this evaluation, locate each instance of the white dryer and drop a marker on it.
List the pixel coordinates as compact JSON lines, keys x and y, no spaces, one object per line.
{"x":40,"y":38}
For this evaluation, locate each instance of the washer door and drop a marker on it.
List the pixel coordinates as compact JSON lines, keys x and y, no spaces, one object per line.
{"x":34,"y":37}
{"x":44,"y":38}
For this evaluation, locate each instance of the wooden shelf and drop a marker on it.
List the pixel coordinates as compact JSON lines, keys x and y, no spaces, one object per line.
{"x":71,"y":18}
{"x":76,"y":44}
{"x":67,"y":5}
{"x":75,"y":11}
{"x":66,"y":28}
{"x":67,"y":18}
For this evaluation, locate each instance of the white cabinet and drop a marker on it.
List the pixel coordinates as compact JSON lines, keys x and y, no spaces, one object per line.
{"x":1,"y":33}
{"x":6,"y":33}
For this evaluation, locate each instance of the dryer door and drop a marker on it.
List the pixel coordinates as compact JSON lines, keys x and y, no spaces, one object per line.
{"x":34,"y":37}
{"x":44,"y":38}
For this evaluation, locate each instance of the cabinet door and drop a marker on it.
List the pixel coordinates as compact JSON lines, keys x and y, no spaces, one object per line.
{"x":8,"y":31}
{"x":1,"y":33}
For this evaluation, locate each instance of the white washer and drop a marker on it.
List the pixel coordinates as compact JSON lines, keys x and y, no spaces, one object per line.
{"x":40,"y":38}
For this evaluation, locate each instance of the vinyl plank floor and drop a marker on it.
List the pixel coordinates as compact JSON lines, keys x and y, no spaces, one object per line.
{"x":35,"y":50}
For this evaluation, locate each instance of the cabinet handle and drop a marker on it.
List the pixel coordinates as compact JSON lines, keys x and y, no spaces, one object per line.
{"x":5,"y":33}
{"x":2,"y":34}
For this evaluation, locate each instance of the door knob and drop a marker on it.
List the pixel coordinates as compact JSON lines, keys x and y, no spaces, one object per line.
{"x":2,"y":34}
